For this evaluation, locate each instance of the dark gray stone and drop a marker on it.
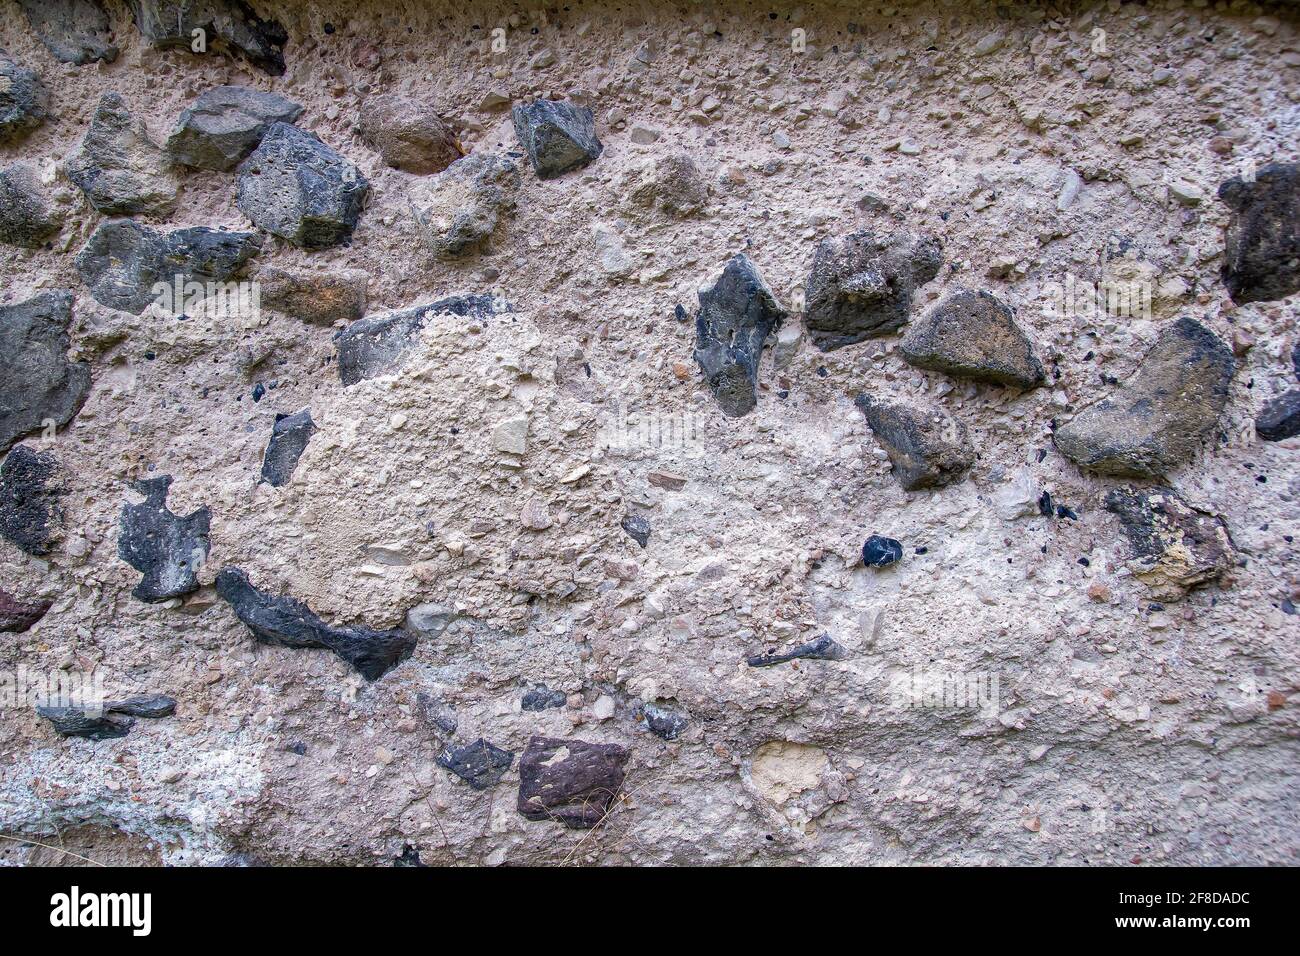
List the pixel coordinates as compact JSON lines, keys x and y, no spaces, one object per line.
{"x":1295,"y":358}
{"x":438,"y":714}
{"x":224,"y":124}
{"x":30,"y":515}
{"x":1159,"y":417}
{"x":301,"y":190}
{"x":571,"y":781}
{"x":861,"y":285}
{"x":123,"y":261}
{"x":114,"y":719}
{"x":1280,"y":417}
{"x":638,"y":528}
{"x":973,"y":335}
{"x":823,"y":648}
{"x":287,"y":622}
{"x":165,"y":548}
{"x":289,"y":437}
{"x":735,"y":318}
{"x":28,"y":217}
{"x":457,"y":210}
{"x":662,"y":722}
{"x":479,"y":764}
{"x":541,"y":698}
{"x":880,"y":552}
{"x":24,"y":102}
{"x":119,"y":168}
{"x":75,"y":31}
{"x":378,"y":344}
{"x":558,"y":136}
{"x":152,"y":706}
{"x":17,"y":616}
{"x":230,"y":27}
{"x":1261,"y":255}
{"x":39,"y":387}
{"x":927,"y":446}
{"x":1178,"y":547}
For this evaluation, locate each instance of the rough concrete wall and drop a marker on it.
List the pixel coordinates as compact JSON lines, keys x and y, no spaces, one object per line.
{"x":1040,"y":145}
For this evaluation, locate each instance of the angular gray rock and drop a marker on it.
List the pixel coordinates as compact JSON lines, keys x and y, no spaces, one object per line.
{"x":299,"y":189}
{"x":408,"y":134}
{"x":167,"y":549}
{"x":457,"y":210}
{"x":1177,"y":547}
{"x":823,"y":648}
{"x":861,"y":285}
{"x":735,"y":318}
{"x":557,"y":136}
{"x":378,"y":345}
{"x":1279,"y":419}
{"x":541,"y":698}
{"x":1157,"y":419}
{"x":123,"y":261}
{"x":28,"y":216}
{"x":119,"y":168}
{"x":17,"y":616}
{"x":39,"y":387}
{"x":479,"y":764}
{"x":571,"y":781}
{"x":320,"y":298}
{"x":30,"y":514}
{"x":927,"y":446}
{"x":1261,"y":255}
{"x":662,"y":722}
{"x":224,"y":124}
{"x":286,"y":622}
{"x":230,"y":27}
{"x":24,"y":102}
{"x":75,"y":31}
{"x":113,"y":719}
{"x":973,"y":335}
{"x":289,"y":437}
{"x":637,"y":528}
{"x":670,"y":185}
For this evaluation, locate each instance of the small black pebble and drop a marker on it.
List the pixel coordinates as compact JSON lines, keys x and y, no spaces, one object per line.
{"x":1042,"y":453}
{"x":821,"y":371}
{"x":329,"y":28}
{"x":680,"y":313}
{"x":1064,"y":512}
{"x":1085,"y":562}
{"x":258,"y":392}
{"x":878,"y":551}
{"x":150,"y":356}
{"x":922,"y":550}
{"x":1045,"y":504}
{"x":1287,"y":606}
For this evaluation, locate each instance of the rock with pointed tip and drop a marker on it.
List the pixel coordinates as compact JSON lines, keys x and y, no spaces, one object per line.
{"x":973,"y":335}
{"x":39,"y":387}
{"x":119,"y":168}
{"x":289,"y":437}
{"x":927,"y":447}
{"x":558,"y":136}
{"x":167,"y":549}
{"x":1279,"y":419}
{"x":479,"y":764}
{"x":24,"y":102}
{"x":224,"y":124}
{"x":17,"y":616}
{"x":28,"y":215}
{"x":570,"y":781}
{"x":736,"y":316}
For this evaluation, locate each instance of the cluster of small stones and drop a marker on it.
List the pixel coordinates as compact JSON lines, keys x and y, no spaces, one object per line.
{"x":291,"y":185}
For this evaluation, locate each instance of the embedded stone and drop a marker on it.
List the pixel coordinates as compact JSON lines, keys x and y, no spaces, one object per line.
{"x":638,"y":529}
{"x":879,"y":552}
{"x":228,"y":27}
{"x":541,"y":698}
{"x":224,"y":124}
{"x":927,"y":447}
{"x":973,"y":335}
{"x":127,"y":265}
{"x":570,"y":781}
{"x":287,"y":622}
{"x":17,"y":616}
{"x":479,"y":764}
{"x":861,"y":285}
{"x":1279,"y":418}
{"x":1261,"y":254}
{"x":289,"y":437}
{"x":735,"y":318}
{"x":457,"y":211}
{"x":75,"y":31}
{"x":113,"y":719}
{"x":167,"y":549}
{"x":24,"y":102}
{"x":662,"y":722}
{"x":1158,"y":418}
{"x":119,"y":168}
{"x":1177,"y":547}
{"x":409,"y":135}
{"x":558,"y":136}
{"x":301,"y":190}
{"x":28,"y":216}
{"x":670,"y":185}
{"x":30,"y":515}
{"x":823,"y":648}
{"x":317,"y":298}
{"x":39,"y":387}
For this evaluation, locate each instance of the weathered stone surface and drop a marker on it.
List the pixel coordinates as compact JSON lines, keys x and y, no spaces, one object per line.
{"x":229,"y":26}
{"x":408,"y":134}
{"x":1279,"y":418}
{"x":17,"y":616}
{"x":378,"y":345}
{"x":39,"y":387}
{"x":927,"y":446}
{"x":224,"y":124}
{"x":151,"y":706}
{"x":541,"y":698}
{"x":167,"y":549}
{"x":1261,"y":256}
{"x":289,"y":437}
{"x":823,"y":648}
{"x":638,"y":529}
{"x":299,"y":189}
{"x":1177,"y":547}
{"x":119,"y":168}
{"x":1157,"y":419}
{"x":113,"y":719}
{"x":861,"y":285}
{"x":30,"y":515}
{"x":735,"y":318}
{"x":123,"y":261}
{"x":75,"y":31}
{"x":571,"y":781}
{"x":287,"y":622}
{"x":457,"y":211}
{"x":662,"y":722}
{"x":479,"y":764}
{"x":24,"y":102}
{"x":28,"y":216}
{"x":973,"y":335}
{"x":670,"y":185}
{"x":318,"y":298}
{"x":558,"y":136}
